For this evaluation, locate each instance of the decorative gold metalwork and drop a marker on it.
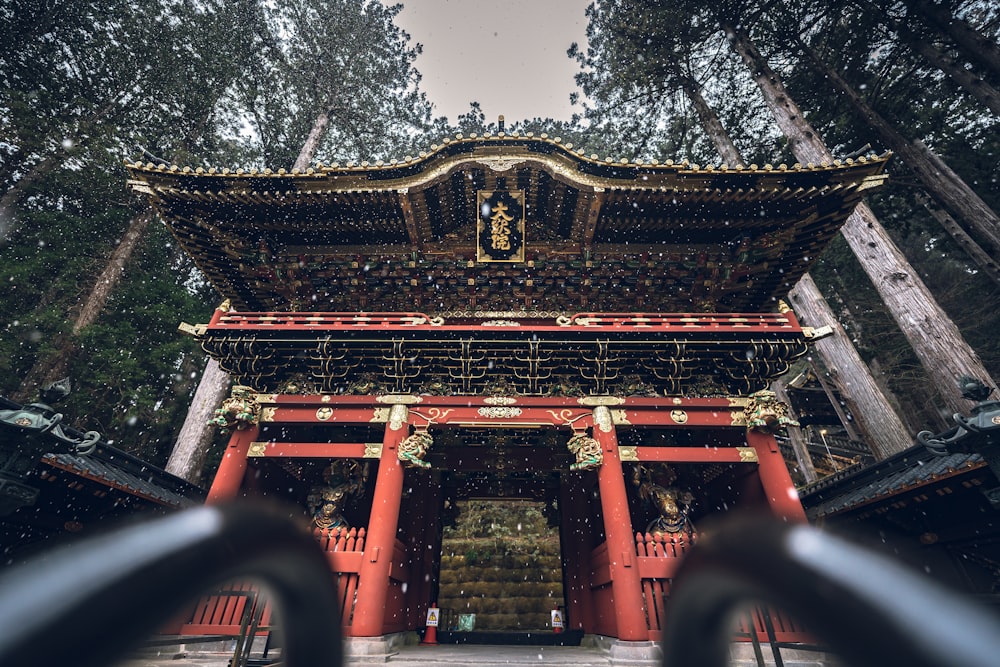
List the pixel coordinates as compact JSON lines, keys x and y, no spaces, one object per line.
{"x":620,"y":417}
{"x":437,"y":414}
{"x":634,"y":385}
{"x":679,"y":416}
{"x":399,"y":399}
{"x":603,"y":419}
{"x":737,"y":418}
{"x":413,"y":448}
{"x":267,"y":414}
{"x":499,"y":412}
{"x":238,"y":412}
{"x":226,"y":306}
{"x":300,"y":384}
{"x":326,"y":398}
{"x":192,"y":329}
{"x":563,"y":416}
{"x":499,"y":163}
{"x":747,"y":454}
{"x":500,"y":229}
{"x":600,"y":400}
{"x":257,"y":449}
{"x":813,"y":334}
{"x":783,"y":307}
{"x":765,"y":413}
{"x":398,"y":415}
{"x":499,"y":400}
{"x":436,"y":386}
{"x":324,"y":413}
{"x":373,"y":450}
{"x":628,"y":454}
{"x":677,"y":401}
{"x":738,"y":401}
{"x":587,"y":452}
{"x":265,"y":398}
{"x":380,"y":415}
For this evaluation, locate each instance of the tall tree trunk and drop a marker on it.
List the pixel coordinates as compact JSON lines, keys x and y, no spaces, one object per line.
{"x":54,"y":366}
{"x":973,"y":85}
{"x":193,"y":442}
{"x":974,"y":46}
{"x":188,"y":455}
{"x":935,"y":339}
{"x":940,"y":181}
{"x":875,"y":416}
{"x":710,"y":122}
{"x":311,"y":145}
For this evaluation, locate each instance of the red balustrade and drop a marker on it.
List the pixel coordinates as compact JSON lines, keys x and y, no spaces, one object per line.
{"x":659,"y":556}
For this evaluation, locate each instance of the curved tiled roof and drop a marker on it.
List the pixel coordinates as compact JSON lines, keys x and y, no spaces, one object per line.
{"x":670,"y":237}
{"x":906,"y":471}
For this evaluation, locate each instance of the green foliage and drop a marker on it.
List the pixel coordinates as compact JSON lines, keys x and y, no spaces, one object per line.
{"x":84,"y":85}
{"x":641,"y":56}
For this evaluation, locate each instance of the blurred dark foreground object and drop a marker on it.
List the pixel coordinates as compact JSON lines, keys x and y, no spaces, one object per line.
{"x":88,"y":604}
{"x":863,"y":606}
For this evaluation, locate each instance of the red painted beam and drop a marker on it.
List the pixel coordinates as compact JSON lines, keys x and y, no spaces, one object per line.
{"x":317,"y":450}
{"x":697,"y":454}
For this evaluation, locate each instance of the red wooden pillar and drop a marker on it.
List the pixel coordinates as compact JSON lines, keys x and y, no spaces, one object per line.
{"x":229,"y":477}
{"x":373,"y":579}
{"x":577,"y":544}
{"x":626,"y":583}
{"x":774,"y":477}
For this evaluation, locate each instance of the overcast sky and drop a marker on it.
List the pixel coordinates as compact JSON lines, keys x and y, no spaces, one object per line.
{"x":510,"y":55}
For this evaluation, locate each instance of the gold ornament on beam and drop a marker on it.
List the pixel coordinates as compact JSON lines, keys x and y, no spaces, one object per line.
{"x":765,"y":413}
{"x":238,"y":412}
{"x":587,"y":452}
{"x":413,"y":448}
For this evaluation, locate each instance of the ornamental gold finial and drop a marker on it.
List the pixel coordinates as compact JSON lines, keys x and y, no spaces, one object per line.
{"x":783,"y":307}
{"x":225,"y":306}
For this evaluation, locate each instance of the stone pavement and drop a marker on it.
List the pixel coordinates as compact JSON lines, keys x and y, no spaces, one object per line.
{"x":418,"y":656}
{"x":482,"y":655}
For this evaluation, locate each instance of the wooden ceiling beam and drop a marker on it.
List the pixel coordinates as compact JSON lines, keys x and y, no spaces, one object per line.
{"x":593,"y":214}
{"x":410,"y":218}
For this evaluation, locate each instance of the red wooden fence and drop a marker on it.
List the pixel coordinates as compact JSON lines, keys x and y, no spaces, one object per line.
{"x":660,"y":554}
{"x":222,"y":613}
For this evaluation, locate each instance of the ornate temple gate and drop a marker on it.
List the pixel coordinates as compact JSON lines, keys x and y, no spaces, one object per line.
{"x":612,"y":588}
{"x":455,"y":293}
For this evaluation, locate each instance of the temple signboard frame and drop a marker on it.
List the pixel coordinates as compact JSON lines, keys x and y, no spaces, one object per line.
{"x":500,"y":229}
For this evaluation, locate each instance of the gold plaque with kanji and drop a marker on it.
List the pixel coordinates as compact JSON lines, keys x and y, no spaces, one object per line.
{"x":500,"y":226}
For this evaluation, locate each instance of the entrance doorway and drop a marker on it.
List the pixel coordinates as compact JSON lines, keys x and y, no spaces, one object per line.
{"x":501,"y":570}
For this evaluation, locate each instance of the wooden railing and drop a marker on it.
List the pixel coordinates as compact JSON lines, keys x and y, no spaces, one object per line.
{"x":343,"y":548}
{"x":659,"y":556}
{"x":224,"y":612}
